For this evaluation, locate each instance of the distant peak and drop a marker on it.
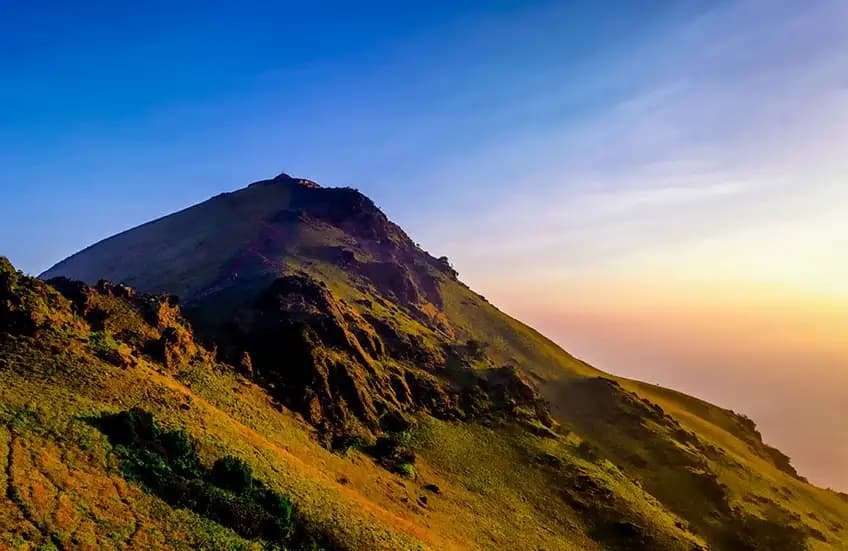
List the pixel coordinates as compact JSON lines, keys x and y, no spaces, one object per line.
{"x":283,"y":177}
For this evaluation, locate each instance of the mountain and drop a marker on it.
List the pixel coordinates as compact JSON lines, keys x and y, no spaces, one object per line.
{"x":283,"y":365}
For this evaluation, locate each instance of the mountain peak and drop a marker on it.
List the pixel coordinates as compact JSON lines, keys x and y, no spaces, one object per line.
{"x":284,"y":178}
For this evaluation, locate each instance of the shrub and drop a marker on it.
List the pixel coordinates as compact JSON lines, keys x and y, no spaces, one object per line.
{"x":394,"y":453}
{"x":128,"y":427}
{"x":179,"y":449}
{"x":105,"y":347}
{"x":407,"y":470}
{"x":476,"y":350}
{"x":233,"y":474}
{"x":344,"y":443}
{"x":395,"y":448}
{"x":396,"y":422}
{"x":166,"y":464}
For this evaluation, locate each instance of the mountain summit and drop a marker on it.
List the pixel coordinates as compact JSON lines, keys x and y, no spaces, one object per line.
{"x":381,"y":382}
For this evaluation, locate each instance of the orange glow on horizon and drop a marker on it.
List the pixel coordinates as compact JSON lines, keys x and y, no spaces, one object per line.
{"x":777,"y":356}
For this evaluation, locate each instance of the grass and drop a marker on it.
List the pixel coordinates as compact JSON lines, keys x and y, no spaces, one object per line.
{"x":500,"y":487}
{"x":44,"y":404}
{"x":43,"y":417}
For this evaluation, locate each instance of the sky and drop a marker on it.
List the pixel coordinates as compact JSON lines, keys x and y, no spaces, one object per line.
{"x":658,"y":186}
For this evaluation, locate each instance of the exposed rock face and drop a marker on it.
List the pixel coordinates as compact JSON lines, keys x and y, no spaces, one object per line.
{"x":283,"y":177}
{"x":176,"y":346}
{"x":755,"y":440}
{"x":151,"y":324}
{"x":510,"y":386}
{"x":318,"y":355}
{"x":312,"y":351}
{"x":29,"y":306}
{"x":396,"y":282}
{"x":351,"y":211}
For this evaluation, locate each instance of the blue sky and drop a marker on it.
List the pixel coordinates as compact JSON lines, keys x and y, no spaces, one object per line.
{"x":110,"y":115}
{"x":659,"y":186}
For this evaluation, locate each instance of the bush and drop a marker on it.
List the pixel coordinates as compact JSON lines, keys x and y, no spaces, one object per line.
{"x":166,"y":464}
{"x":179,"y":450}
{"x":476,"y":350}
{"x":102,"y":342}
{"x":394,"y":453}
{"x":407,"y":470}
{"x":344,"y":443}
{"x":105,"y":347}
{"x":128,"y":427}
{"x":395,"y":448}
{"x":233,"y":474}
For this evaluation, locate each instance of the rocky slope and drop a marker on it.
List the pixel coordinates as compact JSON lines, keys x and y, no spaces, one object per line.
{"x":384,"y":366}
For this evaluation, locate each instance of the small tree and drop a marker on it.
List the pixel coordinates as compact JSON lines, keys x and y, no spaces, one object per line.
{"x":448,"y":267}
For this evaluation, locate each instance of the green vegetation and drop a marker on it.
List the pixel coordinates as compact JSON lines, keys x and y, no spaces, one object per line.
{"x":166,"y":464}
{"x":394,"y":452}
{"x":107,"y":348}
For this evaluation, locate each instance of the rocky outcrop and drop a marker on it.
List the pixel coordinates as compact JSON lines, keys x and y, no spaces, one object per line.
{"x":319,"y":356}
{"x":151,"y":324}
{"x":29,"y":306}
{"x":393,"y":281}
{"x":509,"y":387}
{"x":747,"y":430}
{"x":312,"y":352}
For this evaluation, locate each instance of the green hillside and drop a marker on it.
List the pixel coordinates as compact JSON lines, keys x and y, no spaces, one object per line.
{"x":341,"y":373}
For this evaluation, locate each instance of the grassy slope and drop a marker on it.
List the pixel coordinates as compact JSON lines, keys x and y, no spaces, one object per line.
{"x":504,"y":497}
{"x":189,"y":261}
{"x":754,"y":483}
{"x":750,"y":478}
{"x":61,"y":466}
{"x":63,"y":487}
{"x":67,"y":481}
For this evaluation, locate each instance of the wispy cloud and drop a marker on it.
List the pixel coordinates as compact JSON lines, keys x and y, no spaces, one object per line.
{"x":739,"y":117}
{"x":639,"y":198}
